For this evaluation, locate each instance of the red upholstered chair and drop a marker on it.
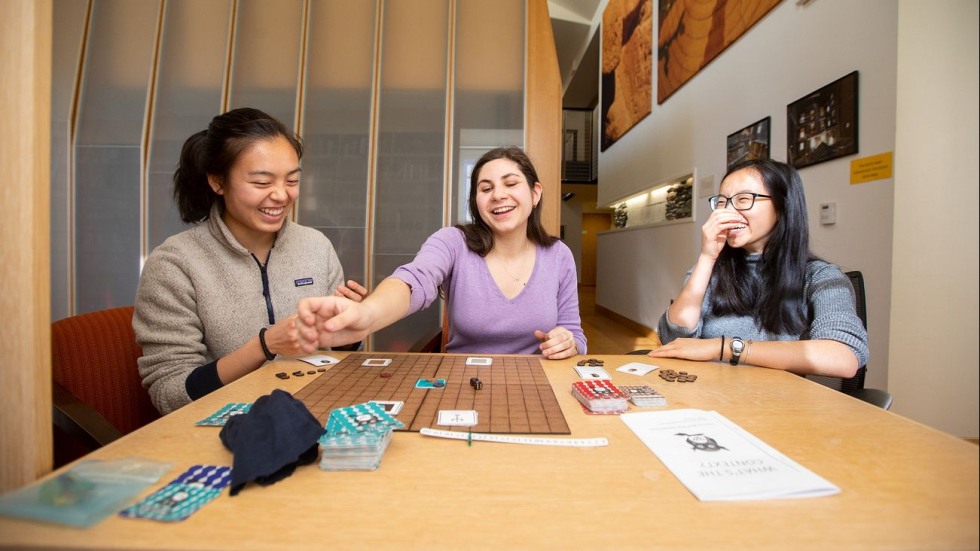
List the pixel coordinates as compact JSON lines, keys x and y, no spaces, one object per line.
{"x":97,"y":394}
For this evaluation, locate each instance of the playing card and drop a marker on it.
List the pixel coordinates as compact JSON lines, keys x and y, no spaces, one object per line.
{"x":183,"y":496}
{"x":220,"y":417}
{"x":637,"y":368}
{"x":319,"y":360}
{"x":457,"y":418}
{"x":425,"y":383}
{"x":592,"y":372}
{"x":391,"y":407}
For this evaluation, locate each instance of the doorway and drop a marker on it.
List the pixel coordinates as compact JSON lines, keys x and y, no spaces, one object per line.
{"x":592,"y":224}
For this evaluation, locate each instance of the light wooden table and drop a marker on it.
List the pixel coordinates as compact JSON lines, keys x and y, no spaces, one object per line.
{"x":903,"y":485}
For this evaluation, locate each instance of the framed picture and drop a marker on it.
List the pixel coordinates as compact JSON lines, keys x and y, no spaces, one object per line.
{"x":823,"y":125}
{"x":692,"y":34}
{"x":751,"y":142}
{"x":627,"y":67}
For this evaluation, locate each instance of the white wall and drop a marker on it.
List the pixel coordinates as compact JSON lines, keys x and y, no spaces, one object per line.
{"x":791,"y":52}
{"x":797,"y":49}
{"x":934,"y":337}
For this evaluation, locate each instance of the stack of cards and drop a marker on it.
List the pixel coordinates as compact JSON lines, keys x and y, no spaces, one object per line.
{"x":356,"y":437}
{"x":644,"y":396}
{"x":600,"y":396}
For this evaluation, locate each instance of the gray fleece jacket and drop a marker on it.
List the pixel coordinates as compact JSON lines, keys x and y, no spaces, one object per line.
{"x":202,"y":295}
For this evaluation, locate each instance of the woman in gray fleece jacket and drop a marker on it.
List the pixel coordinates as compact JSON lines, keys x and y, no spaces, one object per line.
{"x":757,"y":295}
{"x":218,"y":300}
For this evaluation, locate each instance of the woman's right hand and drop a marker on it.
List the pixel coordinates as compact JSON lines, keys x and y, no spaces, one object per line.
{"x":714,"y":233}
{"x":331,"y":321}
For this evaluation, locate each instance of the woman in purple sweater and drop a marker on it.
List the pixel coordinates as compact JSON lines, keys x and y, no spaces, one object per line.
{"x":510,"y":287}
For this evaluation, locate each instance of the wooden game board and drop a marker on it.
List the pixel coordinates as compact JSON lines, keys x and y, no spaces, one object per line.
{"x":516,"y":396}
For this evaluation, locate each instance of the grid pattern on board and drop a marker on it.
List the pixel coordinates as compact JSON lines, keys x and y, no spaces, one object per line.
{"x":516,"y":397}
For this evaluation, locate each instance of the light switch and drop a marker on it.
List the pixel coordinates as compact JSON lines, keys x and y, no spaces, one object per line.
{"x":828,"y":213}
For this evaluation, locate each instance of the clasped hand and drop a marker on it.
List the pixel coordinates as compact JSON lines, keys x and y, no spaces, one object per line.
{"x":557,"y":344}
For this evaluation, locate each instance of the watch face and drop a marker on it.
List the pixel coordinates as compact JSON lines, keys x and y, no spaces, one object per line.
{"x":737,"y":345}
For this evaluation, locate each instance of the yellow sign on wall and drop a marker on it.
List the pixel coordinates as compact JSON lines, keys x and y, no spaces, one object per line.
{"x":875,"y":167}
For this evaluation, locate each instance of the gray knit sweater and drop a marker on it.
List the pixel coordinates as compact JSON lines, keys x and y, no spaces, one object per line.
{"x":201,"y":296}
{"x":829,"y":304}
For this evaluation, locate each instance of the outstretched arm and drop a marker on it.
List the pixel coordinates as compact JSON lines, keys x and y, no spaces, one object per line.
{"x":335,"y":321}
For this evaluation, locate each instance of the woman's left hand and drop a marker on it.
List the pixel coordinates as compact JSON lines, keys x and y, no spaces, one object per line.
{"x":701,"y":350}
{"x":557,"y":344}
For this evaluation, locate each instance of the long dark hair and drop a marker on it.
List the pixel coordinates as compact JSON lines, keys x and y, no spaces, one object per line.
{"x":775,"y":297}
{"x":479,"y":238}
{"x":215,"y":150}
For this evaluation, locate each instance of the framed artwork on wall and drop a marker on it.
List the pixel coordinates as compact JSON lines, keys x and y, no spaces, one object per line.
{"x":692,"y":34}
{"x":823,"y":125}
{"x":749,"y":143}
{"x":627,"y":67}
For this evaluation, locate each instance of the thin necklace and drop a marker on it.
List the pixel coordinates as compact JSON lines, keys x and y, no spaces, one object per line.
{"x":521,"y":270}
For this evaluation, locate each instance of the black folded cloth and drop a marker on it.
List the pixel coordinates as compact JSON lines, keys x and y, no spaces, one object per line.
{"x":277,"y":434}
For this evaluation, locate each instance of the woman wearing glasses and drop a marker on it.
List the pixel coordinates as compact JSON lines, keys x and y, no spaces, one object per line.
{"x":757,"y":295}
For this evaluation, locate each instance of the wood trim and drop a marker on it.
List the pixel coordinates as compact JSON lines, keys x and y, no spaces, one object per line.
{"x":25,"y":142}
{"x":542,"y":110}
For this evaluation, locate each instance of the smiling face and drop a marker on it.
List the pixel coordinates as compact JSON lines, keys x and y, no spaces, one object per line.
{"x":259,"y":190}
{"x":504,"y":197}
{"x":760,"y":220}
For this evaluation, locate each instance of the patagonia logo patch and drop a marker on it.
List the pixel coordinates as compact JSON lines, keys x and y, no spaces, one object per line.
{"x":304,"y":282}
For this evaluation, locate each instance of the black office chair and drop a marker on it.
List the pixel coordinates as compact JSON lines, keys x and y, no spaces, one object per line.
{"x":854,"y":386}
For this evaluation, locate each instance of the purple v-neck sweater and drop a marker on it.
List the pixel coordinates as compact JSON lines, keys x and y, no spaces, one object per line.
{"x":481,"y":319}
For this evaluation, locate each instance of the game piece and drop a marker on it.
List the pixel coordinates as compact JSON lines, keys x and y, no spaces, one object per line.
{"x":593,"y":362}
{"x":671,"y":376}
{"x":311,"y":372}
{"x":356,"y":437}
{"x":282,"y":375}
{"x":476,"y":383}
{"x":376,"y":362}
{"x":600,"y":396}
{"x":479,"y":361}
{"x":322,"y":370}
{"x":644,"y":396}
{"x":385,"y":375}
{"x":297,"y":373}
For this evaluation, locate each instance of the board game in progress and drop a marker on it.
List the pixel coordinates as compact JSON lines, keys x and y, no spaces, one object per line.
{"x":511,"y":394}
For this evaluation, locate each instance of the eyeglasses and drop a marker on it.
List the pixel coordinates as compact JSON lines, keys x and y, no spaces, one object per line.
{"x":741,"y":201}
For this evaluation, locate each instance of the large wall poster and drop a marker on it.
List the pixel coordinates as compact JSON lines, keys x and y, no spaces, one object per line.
{"x":693,"y":32}
{"x":627,"y":66}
